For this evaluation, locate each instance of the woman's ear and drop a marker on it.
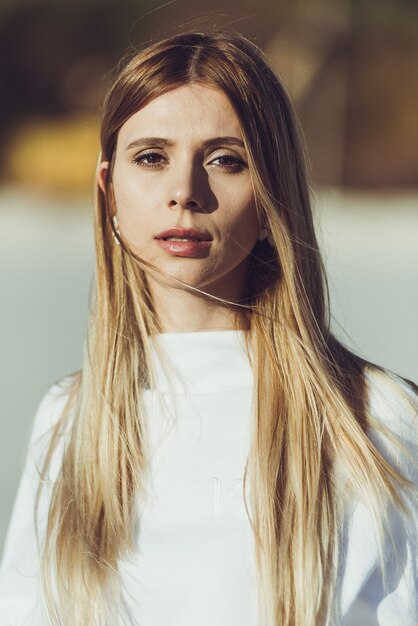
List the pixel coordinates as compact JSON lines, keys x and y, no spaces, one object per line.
{"x":102,"y":174}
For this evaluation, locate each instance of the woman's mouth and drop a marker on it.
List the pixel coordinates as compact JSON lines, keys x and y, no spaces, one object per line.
{"x":179,"y":246}
{"x":180,"y":241}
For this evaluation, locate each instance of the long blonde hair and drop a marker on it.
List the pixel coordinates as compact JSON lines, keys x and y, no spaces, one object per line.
{"x":309,"y":394}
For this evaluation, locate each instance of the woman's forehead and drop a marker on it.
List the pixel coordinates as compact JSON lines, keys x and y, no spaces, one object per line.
{"x":195,"y":111}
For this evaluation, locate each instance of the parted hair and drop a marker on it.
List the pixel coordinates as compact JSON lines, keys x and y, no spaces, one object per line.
{"x":310,"y":420}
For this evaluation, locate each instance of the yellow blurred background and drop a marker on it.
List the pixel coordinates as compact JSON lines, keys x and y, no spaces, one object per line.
{"x":351,"y":67}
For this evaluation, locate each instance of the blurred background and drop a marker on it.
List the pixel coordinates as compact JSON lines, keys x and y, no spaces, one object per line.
{"x":352,"y":69}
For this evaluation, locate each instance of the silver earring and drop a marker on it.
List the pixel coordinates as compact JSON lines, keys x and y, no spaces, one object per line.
{"x":265,"y":233}
{"x":116,"y":226}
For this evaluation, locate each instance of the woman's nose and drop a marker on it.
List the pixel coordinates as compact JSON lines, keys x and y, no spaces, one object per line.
{"x":186,"y":188}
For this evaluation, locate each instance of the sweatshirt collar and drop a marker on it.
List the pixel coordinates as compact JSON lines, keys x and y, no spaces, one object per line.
{"x":201,"y":361}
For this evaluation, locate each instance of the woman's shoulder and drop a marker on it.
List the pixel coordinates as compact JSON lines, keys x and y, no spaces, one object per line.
{"x":391,"y":396}
{"x":54,"y":406}
{"x":392,"y":411}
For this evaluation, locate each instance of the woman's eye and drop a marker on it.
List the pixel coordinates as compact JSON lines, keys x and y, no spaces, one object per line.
{"x":229,"y":162}
{"x":149,"y":159}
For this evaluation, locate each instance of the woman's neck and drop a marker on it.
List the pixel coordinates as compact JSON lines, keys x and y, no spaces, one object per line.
{"x":180,"y":310}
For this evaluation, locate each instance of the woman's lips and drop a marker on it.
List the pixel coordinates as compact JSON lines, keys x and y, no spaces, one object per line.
{"x":179,"y":241}
{"x":183,"y":248}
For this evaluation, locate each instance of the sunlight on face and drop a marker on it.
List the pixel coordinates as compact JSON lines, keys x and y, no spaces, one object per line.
{"x":180,"y":162}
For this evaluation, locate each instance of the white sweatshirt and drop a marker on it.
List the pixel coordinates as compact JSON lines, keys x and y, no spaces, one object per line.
{"x":194,"y":563}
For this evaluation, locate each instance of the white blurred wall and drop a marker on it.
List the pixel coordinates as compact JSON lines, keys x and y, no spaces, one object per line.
{"x":370,"y":246}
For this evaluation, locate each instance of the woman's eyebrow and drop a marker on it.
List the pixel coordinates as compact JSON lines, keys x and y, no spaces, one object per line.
{"x":226,"y":141}
{"x":144,"y":142}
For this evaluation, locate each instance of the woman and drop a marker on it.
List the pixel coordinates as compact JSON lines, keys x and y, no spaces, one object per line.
{"x":221,"y":458}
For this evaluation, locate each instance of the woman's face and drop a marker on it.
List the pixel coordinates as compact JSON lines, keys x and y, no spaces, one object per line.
{"x":180,"y":163}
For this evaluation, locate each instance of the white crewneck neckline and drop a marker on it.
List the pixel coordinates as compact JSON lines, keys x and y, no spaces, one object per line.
{"x":201,"y":361}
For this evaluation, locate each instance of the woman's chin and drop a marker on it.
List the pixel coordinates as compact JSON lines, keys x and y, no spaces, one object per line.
{"x":178,"y":278}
